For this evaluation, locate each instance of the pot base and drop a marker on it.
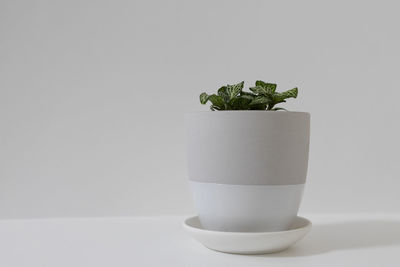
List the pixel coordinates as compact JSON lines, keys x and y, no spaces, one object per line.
{"x":246,"y":208}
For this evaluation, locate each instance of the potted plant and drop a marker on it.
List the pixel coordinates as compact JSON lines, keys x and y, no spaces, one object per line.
{"x":247,"y":159}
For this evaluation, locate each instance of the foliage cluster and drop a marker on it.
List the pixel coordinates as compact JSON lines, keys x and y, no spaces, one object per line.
{"x":262,"y":96}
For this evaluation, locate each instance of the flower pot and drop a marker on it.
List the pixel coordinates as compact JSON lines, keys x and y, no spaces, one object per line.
{"x":247,"y":169}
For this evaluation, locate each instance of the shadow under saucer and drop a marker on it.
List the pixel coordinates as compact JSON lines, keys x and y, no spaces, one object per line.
{"x":328,"y":237}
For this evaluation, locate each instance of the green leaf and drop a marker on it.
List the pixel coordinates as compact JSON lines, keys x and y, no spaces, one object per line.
{"x":224,"y":94}
{"x":240,"y":103}
{"x":213,"y":108}
{"x":279,"y":109}
{"x":277,"y":99}
{"x":242,"y":93}
{"x":217,"y":101}
{"x":203,"y":98}
{"x":234,"y":90}
{"x":292,"y":93}
{"x":261,"y":83}
{"x":250,"y":97}
{"x":259,"y":90}
{"x":270,"y":87}
{"x":280,"y":97}
{"x":261,"y":100}
{"x":258,"y":107}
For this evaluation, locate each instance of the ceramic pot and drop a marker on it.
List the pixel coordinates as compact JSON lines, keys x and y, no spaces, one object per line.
{"x":247,"y":169}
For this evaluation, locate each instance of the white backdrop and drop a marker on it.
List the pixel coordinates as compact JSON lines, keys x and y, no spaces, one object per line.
{"x":92,"y":96}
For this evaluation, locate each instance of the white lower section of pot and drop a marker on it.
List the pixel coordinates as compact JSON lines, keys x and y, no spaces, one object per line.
{"x":246,"y":208}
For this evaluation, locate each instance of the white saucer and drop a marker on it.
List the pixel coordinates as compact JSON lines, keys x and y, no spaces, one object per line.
{"x":247,"y":243}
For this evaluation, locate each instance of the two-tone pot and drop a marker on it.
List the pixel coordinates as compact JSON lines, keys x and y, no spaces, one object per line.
{"x":247,"y":169}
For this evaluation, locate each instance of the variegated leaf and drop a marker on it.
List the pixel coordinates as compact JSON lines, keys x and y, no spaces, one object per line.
{"x":249,"y":96}
{"x":260,"y":100}
{"x":217,"y":101}
{"x":213,"y":108}
{"x":290,"y":93}
{"x":259,"y":90}
{"x":234,"y":90}
{"x":223,"y":93}
{"x":242,"y":93}
{"x":240,"y":103}
{"x":270,"y":87}
{"x":203,"y":98}
{"x":279,"y":109}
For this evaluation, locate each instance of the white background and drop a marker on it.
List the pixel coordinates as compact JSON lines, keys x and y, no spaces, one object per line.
{"x":92,"y":97}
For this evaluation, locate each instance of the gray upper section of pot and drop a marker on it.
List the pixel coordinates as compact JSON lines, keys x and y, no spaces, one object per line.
{"x":248,"y":147}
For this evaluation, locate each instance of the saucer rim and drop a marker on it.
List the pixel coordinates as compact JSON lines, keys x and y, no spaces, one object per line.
{"x":193,"y":228}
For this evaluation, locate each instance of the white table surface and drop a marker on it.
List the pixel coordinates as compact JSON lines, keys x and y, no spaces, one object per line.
{"x":335,"y":240}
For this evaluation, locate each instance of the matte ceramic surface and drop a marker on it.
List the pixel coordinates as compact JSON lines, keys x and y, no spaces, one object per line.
{"x":247,"y":243}
{"x":248,"y":147}
{"x":246,"y":208}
